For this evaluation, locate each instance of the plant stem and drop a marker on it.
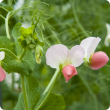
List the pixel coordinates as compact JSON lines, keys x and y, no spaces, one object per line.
{"x":24,"y":92}
{"x":6,"y":25}
{"x":48,"y":90}
{"x":51,"y":83}
{"x":24,"y":51}
{"x":2,"y":16}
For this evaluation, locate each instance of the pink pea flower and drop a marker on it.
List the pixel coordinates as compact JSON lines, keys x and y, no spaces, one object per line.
{"x":95,"y":60}
{"x":60,"y":57}
{"x":2,"y":72}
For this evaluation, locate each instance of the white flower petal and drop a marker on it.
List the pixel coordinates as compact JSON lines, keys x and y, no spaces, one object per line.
{"x":56,"y":55}
{"x":2,"y":55}
{"x":85,"y":43}
{"x":89,"y":44}
{"x":76,"y":55}
{"x":107,"y":41}
{"x":108,"y":28}
{"x":1,"y":1}
{"x":93,"y":46}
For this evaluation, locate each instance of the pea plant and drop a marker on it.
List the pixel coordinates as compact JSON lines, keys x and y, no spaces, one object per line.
{"x":23,"y":47}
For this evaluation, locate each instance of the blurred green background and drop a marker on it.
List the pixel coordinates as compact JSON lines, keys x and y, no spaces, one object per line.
{"x":69,"y":21}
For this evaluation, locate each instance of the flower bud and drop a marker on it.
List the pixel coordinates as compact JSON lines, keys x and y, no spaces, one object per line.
{"x":69,"y":71}
{"x":98,"y":60}
{"x":38,"y":53}
{"x":2,"y":74}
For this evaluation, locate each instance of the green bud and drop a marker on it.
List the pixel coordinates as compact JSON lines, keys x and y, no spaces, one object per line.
{"x":21,"y":38}
{"x":26,"y":31}
{"x":38,"y":39}
{"x":38,"y":53}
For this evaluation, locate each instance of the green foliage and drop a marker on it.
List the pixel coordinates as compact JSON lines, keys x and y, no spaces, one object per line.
{"x":54,"y":102}
{"x":33,"y":94}
{"x":24,"y":66}
{"x":16,"y":34}
{"x":16,"y":31}
{"x":6,"y":43}
{"x":72,"y":20}
{"x":20,"y":104}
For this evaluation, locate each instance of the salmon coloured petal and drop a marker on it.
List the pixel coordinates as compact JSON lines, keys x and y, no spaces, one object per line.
{"x":98,"y":60}
{"x":69,"y":71}
{"x":2,"y":74}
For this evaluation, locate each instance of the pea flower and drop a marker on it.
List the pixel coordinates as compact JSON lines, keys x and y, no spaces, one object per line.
{"x":94,"y":60}
{"x":108,"y":108}
{"x":2,"y":72}
{"x":1,"y":108}
{"x":107,"y":39}
{"x":60,"y":57}
{"x":1,"y":1}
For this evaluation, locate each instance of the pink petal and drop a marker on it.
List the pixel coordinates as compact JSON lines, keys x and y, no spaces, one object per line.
{"x":2,"y":74}
{"x":98,"y":60}
{"x":69,"y":71}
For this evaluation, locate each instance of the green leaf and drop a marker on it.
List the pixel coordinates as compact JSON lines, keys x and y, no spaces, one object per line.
{"x":16,"y":34}
{"x":20,"y":104}
{"x":24,"y":66}
{"x":54,"y":102}
{"x":33,"y":94}
{"x":6,"y":43}
{"x":16,"y":31}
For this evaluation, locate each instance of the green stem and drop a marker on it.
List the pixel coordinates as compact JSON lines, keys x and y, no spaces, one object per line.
{"x":48,"y":90}
{"x":24,"y":92}
{"x":4,"y":8}
{"x":90,"y":91}
{"x":8,"y":51}
{"x":6,"y":25}
{"x":2,"y":16}
{"x":24,"y":51}
{"x":51,"y":83}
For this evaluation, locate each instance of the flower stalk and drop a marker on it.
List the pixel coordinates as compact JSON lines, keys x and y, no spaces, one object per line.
{"x":48,"y":89}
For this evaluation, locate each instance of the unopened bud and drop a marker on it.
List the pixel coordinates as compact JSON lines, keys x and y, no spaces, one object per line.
{"x":98,"y":60}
